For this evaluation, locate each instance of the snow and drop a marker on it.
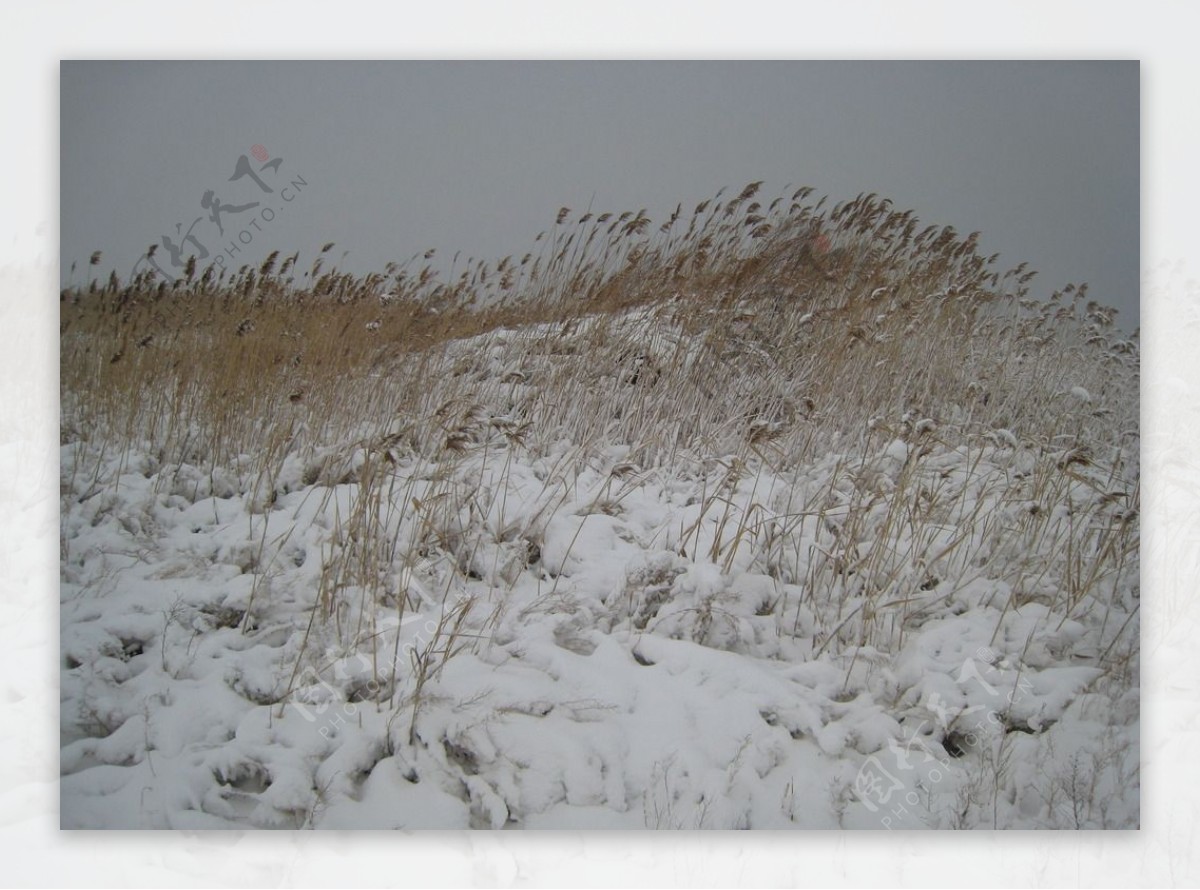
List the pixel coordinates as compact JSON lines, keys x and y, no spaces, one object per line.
{"x":711,"y":644}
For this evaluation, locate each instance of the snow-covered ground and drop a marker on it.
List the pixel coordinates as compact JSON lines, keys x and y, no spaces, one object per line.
{"x":916,"y":630}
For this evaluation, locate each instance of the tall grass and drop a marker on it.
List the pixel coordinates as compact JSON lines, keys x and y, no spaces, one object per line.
{"x":883,"y":316}
{"x":738,"y":345}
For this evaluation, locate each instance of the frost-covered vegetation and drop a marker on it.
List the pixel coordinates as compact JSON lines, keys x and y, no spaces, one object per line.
{"x":766,"y":516}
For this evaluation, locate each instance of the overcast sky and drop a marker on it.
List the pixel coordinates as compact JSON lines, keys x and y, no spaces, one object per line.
{"x":397,"y":157}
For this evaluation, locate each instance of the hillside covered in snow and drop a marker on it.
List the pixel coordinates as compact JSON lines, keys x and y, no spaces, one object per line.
{"x":774,"y":516}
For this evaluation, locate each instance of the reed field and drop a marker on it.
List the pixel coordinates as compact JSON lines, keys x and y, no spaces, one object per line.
{"x":773,"y":513}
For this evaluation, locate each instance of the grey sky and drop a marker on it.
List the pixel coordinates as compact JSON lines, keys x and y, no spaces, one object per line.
{"x":1041,"y":157}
